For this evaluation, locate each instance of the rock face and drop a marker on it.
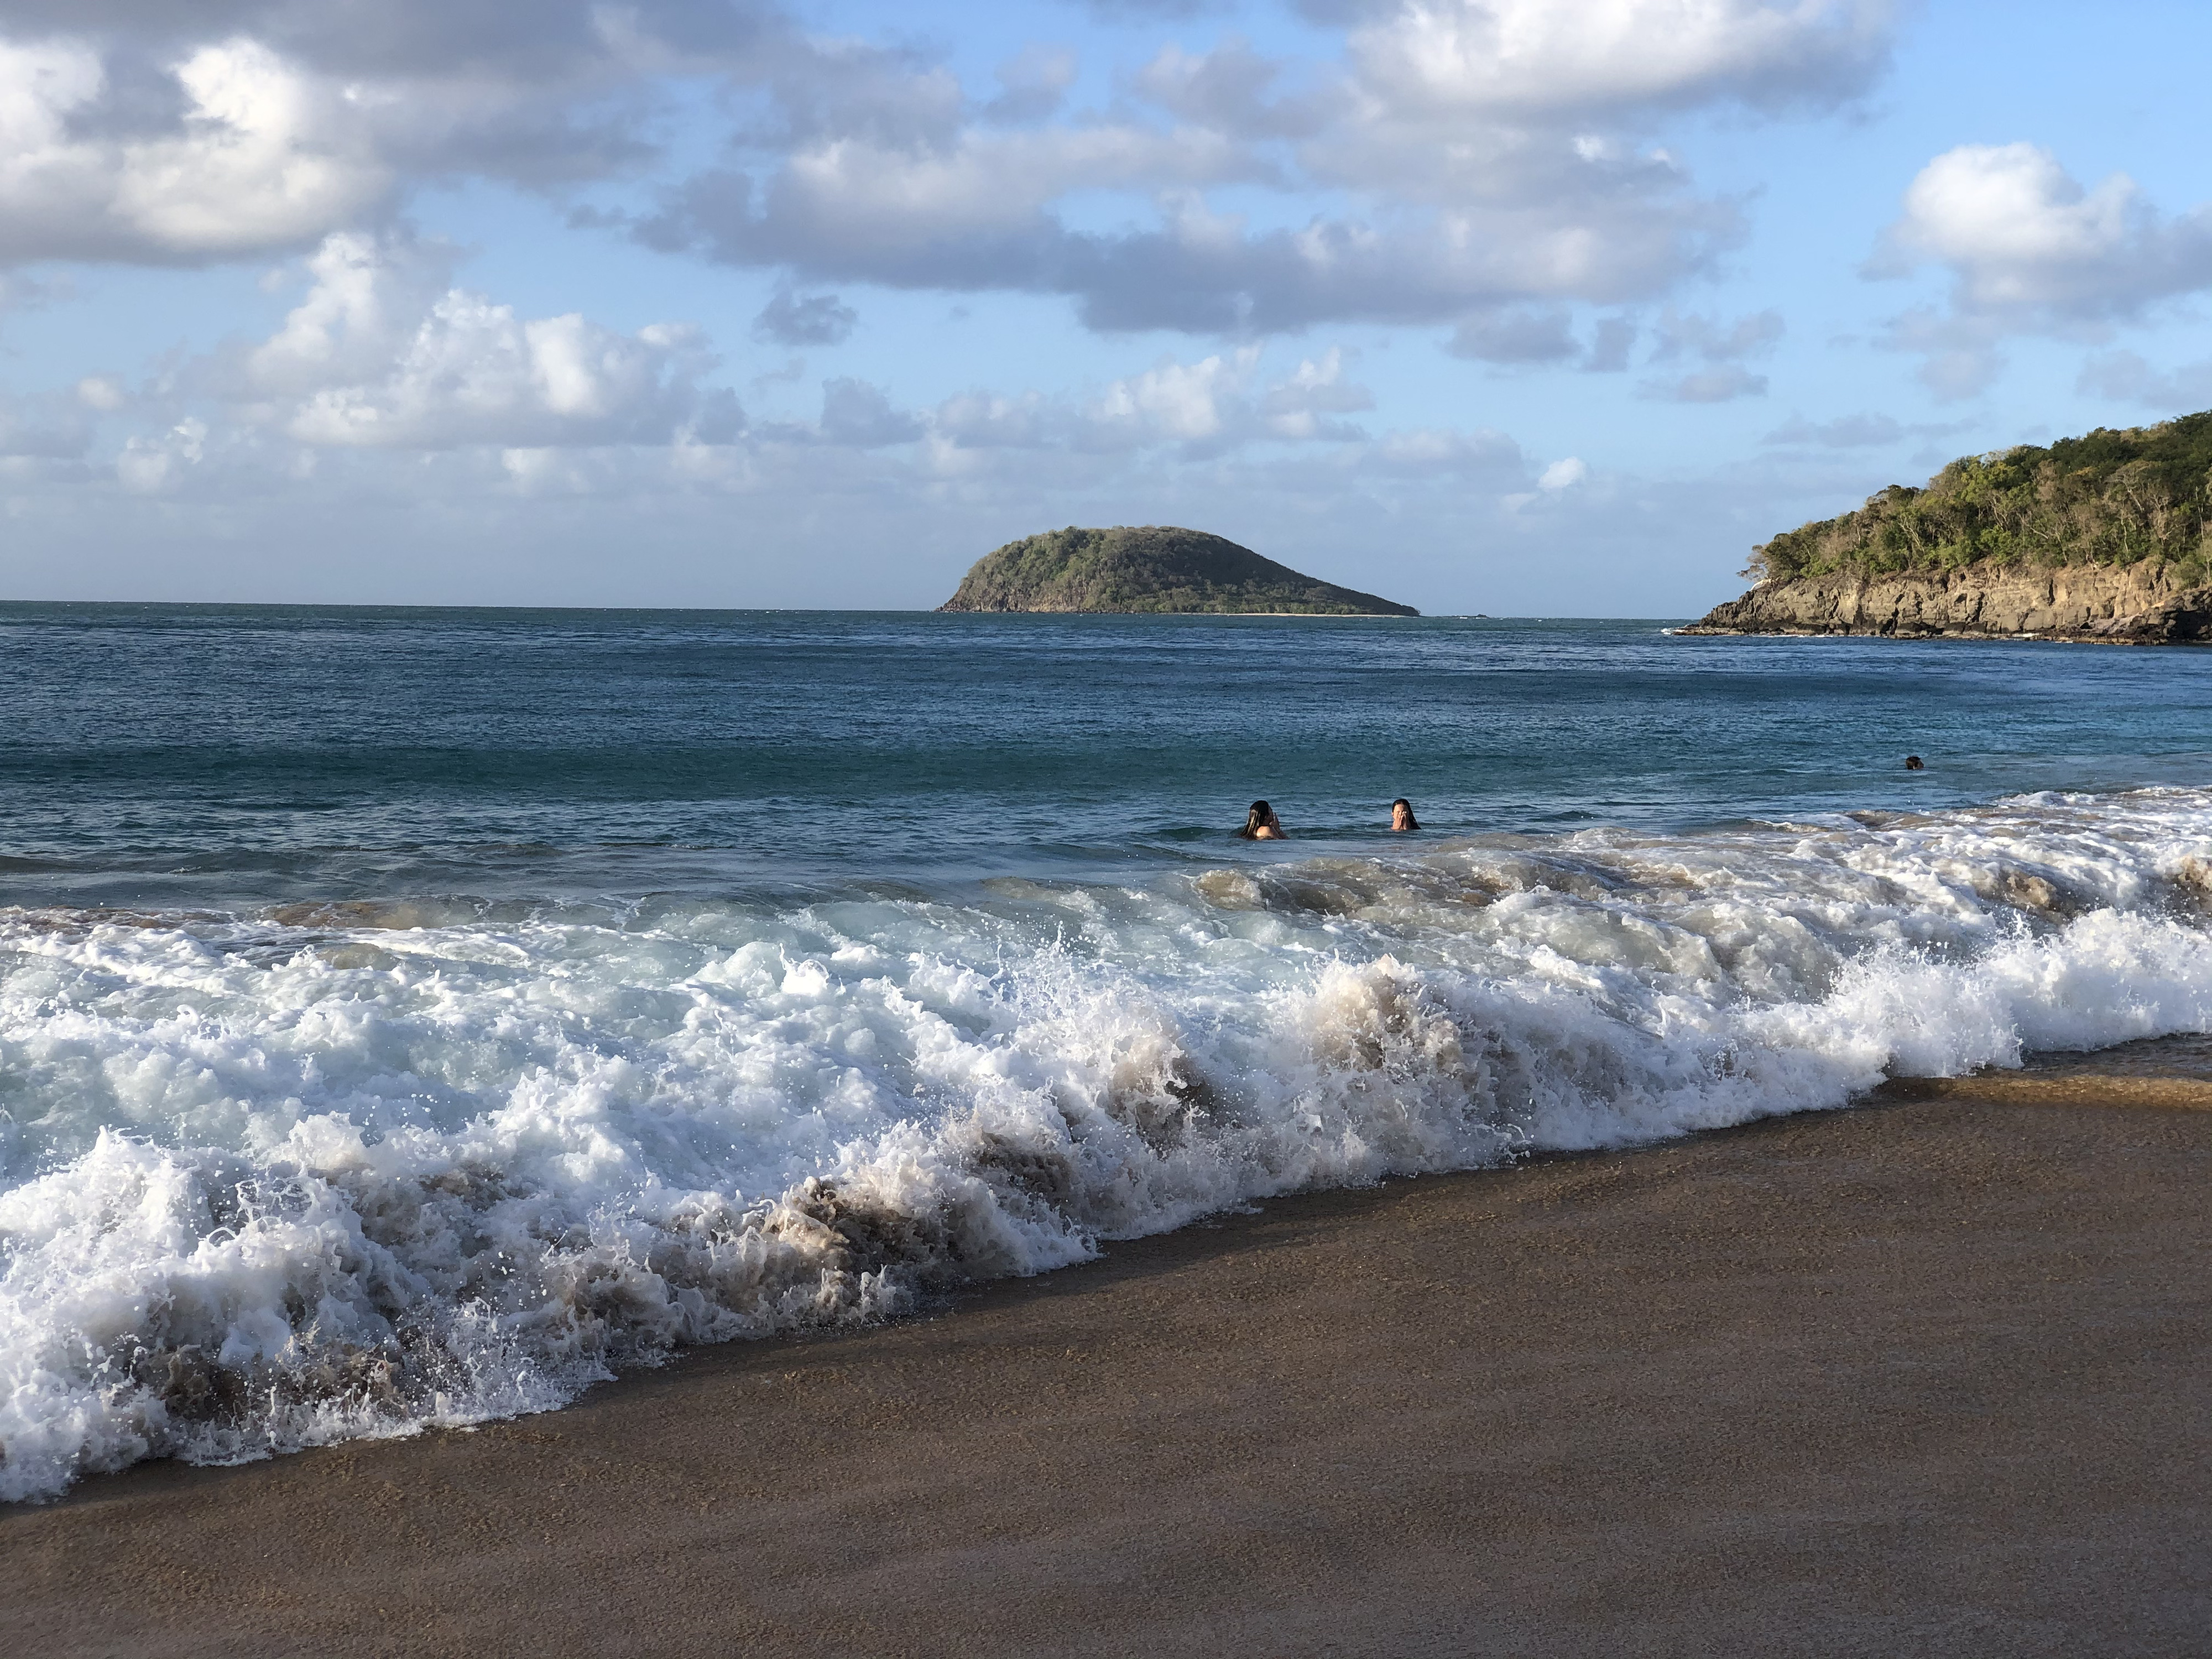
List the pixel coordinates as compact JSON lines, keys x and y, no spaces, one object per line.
{"x":1154,"y":567}
{"x":2139,"y":603}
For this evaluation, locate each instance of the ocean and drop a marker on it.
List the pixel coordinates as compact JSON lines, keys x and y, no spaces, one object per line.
{"x":413,"y":1016}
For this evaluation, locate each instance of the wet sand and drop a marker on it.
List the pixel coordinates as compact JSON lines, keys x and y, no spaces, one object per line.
{"x":1926,"y":1377}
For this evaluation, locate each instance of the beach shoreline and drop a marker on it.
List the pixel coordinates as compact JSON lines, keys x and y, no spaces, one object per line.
{"x":1925,"y":1377}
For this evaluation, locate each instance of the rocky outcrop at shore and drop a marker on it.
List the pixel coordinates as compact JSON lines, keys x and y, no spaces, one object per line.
{"x":2139,"y":603}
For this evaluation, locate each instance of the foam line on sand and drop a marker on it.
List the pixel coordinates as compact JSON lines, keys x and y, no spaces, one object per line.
{"x":1930,"y":1378}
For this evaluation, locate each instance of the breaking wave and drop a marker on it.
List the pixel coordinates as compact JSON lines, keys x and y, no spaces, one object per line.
{"x":272,"y":1179}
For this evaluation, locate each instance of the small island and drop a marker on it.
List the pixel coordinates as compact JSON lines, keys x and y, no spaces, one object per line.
{"x":1151,"y":568}
{"x":2107,"y":537}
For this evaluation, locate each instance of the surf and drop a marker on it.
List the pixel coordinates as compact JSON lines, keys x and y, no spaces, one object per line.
{"x":280,"y":1175}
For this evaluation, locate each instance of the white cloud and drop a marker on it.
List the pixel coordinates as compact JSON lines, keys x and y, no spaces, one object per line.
{"x":1468,"y":159}
{"x":1722,"y":346}
{"x":1553,"y":58}
{"x":209,"y":130}
{"x":383,"y":353}
{"x":1432,"y":452}
{"x":2021,"y":236}
{"x":2030,"y":252}
{"x":265,"y":156}
{"x":102,"y":392}
{"x":814,"y":320}
{"x":1232,"y":89}
{"x":148,"y":464}
{"x":1178,"y":400}
{"x":1516,"y":335}
{"x":1563,"y":474}
{"x":1299,"y":406}
{"x":1685,"y":333}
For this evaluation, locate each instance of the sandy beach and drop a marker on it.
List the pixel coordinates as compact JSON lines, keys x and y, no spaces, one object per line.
{"x":1929,"y":1376}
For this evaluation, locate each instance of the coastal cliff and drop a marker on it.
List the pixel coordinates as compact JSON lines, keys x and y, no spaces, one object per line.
{"x":2107,"y":537}
{"x":1152,"y":569}
{"x":2144,"y":604}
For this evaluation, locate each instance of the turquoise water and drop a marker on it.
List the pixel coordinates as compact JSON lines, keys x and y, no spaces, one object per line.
{"x":412,"y":1016}
{"x":208,"y":755}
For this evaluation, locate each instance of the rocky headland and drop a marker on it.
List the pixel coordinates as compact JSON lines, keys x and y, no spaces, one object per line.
{"x":2142,"y":604}
{"x":2104,"y":538}
{"x":1155,"y":568}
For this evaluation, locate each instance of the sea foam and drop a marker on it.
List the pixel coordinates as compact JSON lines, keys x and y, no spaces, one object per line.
{"x":268,"y":1181}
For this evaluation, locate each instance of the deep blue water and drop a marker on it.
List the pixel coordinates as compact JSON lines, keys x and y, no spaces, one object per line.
{"x":206,"y":754}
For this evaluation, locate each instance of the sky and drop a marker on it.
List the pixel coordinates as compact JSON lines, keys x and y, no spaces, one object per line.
{"x":1535,"y":307}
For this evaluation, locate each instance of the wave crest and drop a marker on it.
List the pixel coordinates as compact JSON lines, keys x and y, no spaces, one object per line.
{"x":334,"y":1170}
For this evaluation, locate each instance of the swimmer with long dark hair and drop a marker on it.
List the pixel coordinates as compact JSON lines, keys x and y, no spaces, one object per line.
{"x":1402,"y":816}
{"x":1260,"y":824}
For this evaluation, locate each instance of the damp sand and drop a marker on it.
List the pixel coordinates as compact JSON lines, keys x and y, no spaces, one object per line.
{"x":1929,"y":1376}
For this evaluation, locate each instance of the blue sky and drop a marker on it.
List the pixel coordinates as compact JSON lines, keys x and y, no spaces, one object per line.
{"x":1524,"y":306}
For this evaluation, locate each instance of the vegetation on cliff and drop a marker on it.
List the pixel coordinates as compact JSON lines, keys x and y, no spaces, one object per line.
{"x":1153,"y":568}
{"x":2113,"y":497}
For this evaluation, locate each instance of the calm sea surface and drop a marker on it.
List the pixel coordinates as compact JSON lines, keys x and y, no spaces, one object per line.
{"x":200,"y":755}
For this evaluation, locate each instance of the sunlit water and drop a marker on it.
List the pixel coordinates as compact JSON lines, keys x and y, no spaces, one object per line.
{"x":405,"y":1017}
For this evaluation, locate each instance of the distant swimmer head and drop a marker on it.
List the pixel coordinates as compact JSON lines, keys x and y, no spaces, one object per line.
{"x":1260,"y":824}
{"x":1914,"y":763}
{"x":1401,"y":815}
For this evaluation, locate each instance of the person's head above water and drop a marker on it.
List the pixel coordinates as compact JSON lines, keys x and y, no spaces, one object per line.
{"x":1914,"y":763}
{"x":1401,"y":815}
{"x":1260,"y":824}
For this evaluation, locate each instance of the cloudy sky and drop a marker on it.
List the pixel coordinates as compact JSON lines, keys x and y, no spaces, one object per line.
{"x":1525,"y":306}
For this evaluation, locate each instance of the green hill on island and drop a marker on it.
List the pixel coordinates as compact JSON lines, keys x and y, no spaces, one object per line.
{"x":1151,"y":568}
{"x":2102,"y":538}
{"x":2109,"y":498}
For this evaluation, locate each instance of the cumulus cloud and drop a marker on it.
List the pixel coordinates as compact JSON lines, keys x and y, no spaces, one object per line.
{"x":1615,"y":337}
{"x":1516,"y":336}
{"x":1474,"y":161}
{"x":1033,"y":83}
{"x":216,"y":128}
{"x":1196,"y":271}
{"x":1553,"y":58}
{"x":549,"y":39}
{"x":1723,"y":348}
{"x":150,"y":462}
{"x":264,"y":155}
{"x":2029,"y":251}
{"x":858,"y":416}
{"x":1204,"y":407}
{"x":2021,"y":237}
{"x":813,"y":319}
{"x":383,"y":352}
{"x":1493,"y":160}
{"x":1233,"y":88}
{"x":1484,"y":456}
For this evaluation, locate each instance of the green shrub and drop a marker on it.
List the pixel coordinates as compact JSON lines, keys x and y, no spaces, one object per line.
{"x":2113,"y":497}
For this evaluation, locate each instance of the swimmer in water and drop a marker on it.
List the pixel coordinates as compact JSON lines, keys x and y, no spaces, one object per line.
{"x":1260,"y":824}
{"x":1402,"y":816}
{"x":1914,"y":763}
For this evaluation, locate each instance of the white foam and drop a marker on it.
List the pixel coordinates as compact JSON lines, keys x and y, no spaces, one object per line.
{"x":268,"y":1183}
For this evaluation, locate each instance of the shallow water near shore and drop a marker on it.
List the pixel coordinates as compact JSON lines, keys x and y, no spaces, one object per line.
{"x":407,"y":1016}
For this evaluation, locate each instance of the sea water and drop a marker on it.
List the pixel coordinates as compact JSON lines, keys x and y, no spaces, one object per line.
{"x":410,"y":1017}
